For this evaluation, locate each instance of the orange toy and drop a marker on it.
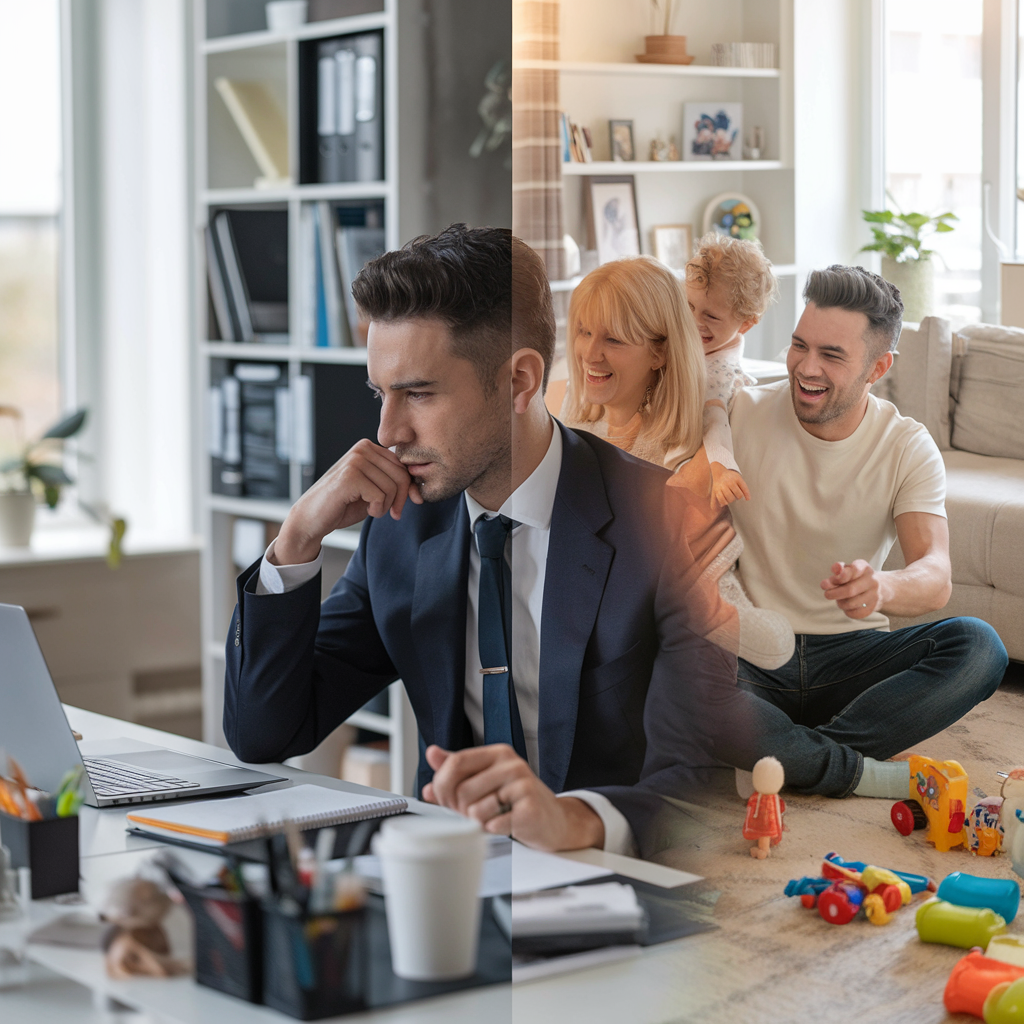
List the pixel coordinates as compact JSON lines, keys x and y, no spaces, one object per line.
{"x":937,"y":801}
{"x":973,"y":978}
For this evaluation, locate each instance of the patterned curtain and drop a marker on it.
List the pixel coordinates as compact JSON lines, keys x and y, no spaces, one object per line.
{"x":536,"y":133}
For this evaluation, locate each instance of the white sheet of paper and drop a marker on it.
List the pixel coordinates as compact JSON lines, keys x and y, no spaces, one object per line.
{"x":533,"y":870}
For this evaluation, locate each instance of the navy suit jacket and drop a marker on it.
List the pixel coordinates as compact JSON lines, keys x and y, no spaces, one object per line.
{"x":627,"y":681}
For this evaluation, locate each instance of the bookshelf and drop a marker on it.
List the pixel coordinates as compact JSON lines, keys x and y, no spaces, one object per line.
{"x":599,"y":80}
{"x":228,"y":43}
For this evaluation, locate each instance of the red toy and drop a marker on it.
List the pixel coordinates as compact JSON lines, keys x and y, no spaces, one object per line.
{"x":973,"y":978}
{"x":765,"y":807}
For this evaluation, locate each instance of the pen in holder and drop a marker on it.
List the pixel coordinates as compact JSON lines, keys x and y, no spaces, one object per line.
{"x":49,"y":848}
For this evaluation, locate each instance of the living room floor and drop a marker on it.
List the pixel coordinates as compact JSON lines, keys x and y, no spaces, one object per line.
{"x":773,"y":960}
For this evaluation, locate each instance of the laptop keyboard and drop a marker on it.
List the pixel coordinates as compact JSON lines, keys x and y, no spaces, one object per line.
{"x":113,"y":778}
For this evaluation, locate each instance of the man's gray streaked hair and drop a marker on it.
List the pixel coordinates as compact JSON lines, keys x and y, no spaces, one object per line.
{"x":860,"y":291}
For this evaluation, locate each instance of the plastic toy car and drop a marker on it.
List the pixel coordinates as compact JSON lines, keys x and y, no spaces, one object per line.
{"x":937,"y":801}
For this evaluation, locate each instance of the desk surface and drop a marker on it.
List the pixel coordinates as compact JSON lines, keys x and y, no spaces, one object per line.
{"x":652,"y":988}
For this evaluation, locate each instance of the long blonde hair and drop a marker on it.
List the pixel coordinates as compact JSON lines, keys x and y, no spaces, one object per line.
{"x":639,"y":300}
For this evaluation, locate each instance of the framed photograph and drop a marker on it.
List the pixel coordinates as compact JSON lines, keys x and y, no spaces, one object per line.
{"x":620,"y":140}
{"x":713,"y":131}
{"x":672,"y":244}
{"x":611,"y":216}
{"x":734,"y":214}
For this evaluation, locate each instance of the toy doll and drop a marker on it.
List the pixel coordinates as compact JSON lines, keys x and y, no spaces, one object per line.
{"x":765,"y":808}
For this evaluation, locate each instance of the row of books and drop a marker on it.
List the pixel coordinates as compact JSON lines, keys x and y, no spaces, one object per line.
{"x":577,"y":145}
{"x":336,"y":242}
{"x":260,"y":422}
{"x":744,"y":55}
{"x":247,"y":264}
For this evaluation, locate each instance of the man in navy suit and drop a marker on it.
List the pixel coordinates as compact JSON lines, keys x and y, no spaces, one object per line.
{"x":604,"y":700}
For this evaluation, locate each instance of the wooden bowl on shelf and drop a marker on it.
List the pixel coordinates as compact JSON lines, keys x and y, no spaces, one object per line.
{"x":664,"y":50}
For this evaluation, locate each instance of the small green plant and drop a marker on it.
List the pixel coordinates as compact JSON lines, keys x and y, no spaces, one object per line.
{"x":899,"y":235}
{"x":39,"y":461}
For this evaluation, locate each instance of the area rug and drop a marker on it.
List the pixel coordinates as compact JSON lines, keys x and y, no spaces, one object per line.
{"x":773,"y":960}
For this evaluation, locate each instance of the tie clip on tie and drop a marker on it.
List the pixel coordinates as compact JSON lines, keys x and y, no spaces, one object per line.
{"x":494,"y":671}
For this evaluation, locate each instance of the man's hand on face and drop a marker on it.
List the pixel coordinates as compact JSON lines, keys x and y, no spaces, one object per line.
{"x":494,"y":785}
{"x":855,"y":587}
{"x":366,"y":480}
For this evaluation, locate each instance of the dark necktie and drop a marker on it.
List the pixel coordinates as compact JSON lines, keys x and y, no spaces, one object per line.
{"x":494,"y":631}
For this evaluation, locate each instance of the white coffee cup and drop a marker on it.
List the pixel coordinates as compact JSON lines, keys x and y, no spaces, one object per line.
{"x":284,"y":14}
{"x":431,"y":869}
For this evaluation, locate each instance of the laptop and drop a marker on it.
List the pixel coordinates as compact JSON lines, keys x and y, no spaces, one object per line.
{"x":35,"y":731}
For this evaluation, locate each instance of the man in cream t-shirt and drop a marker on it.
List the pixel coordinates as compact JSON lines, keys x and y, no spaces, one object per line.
{"x":836,"y":477}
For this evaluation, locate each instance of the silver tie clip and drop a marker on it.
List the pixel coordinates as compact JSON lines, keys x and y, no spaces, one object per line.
{"x":494,"y":671}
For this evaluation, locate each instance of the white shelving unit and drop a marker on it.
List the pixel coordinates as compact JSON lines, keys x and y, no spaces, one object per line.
{"x":223,"y":173}
{"x":599,"y":80}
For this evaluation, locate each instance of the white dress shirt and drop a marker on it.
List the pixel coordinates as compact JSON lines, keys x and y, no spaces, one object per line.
{"x":530,"y":505}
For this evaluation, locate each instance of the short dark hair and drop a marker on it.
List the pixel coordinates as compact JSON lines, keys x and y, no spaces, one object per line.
{"x":463,"y":277}
{"x":860,"y":291}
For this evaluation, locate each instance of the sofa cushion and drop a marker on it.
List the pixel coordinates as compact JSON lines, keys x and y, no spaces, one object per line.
{"x":918,"y":382}
{"x":987,"y":386}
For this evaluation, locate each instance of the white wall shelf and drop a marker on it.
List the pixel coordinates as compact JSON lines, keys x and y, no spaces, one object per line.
{"x":333,"y":190}
{"x":249,"y":508}
{"x":311,"y":30}
{"x":667,"y":166}
{"x":593,"y":67}
{"x":298,"y":353}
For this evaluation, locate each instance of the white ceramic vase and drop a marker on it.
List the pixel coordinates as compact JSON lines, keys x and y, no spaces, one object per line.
{"x":916,"y":282}
{"x":17,"y":516}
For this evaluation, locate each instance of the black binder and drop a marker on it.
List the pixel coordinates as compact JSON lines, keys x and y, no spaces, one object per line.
{"x":345,"y":89}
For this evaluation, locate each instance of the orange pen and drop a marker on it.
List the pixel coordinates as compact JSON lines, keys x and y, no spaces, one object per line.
{"x":31,"y":811}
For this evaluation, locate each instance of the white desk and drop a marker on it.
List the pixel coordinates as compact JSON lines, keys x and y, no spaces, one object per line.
{"x":655,"y":987}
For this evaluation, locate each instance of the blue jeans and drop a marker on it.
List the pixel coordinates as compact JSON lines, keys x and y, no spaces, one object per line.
{"x":846,"y":696}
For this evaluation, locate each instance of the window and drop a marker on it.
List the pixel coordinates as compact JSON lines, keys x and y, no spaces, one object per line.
{"x":30,"y":126}
{"x":933,"y":136}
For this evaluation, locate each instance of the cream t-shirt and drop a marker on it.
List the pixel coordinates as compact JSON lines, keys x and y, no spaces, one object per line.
{"x":815,"y":502}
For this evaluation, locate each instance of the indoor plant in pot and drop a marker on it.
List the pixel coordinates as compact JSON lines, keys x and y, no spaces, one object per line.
{"x":36,"y":469}
{"x":905,"y":260}
{"x":664,"y":48}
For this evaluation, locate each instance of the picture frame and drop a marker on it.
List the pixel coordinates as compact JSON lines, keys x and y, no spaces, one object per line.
{"x":672,"y":244}
{"x":612,"y":225}
{"x":713,"y":131}
{"x":733,"y":214}
{"x":620,"y":141}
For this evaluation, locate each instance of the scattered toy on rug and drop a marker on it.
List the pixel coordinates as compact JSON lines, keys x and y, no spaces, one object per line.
{"x":999,"y":894}
{"x":846,"y":888}
{"x":136,"y":943}
{"x":765,"y":807}
{"x":1005,"y":1003}
{"x":972,"y":980}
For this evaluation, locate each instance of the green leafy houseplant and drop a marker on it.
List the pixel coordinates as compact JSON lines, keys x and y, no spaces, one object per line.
{"x":39,"y":461}
{"x":900,"y":235}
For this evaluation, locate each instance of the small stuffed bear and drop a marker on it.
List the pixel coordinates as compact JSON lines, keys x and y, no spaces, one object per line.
{"x":765,"y":808}
{"x":136,"y":943}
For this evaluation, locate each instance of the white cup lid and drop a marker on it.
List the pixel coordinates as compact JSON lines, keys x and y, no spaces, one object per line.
{"x":426,"y":835}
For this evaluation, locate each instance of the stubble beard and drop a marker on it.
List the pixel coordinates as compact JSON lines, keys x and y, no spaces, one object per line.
{"x":486,"y":463}
{"x":837,"y":405}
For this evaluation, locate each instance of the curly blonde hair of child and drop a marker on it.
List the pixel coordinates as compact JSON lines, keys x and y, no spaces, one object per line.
{"x":640,"y":300}
{"x":742,"y":269}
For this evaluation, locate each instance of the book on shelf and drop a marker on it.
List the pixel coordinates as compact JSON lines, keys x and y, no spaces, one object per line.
{"x":356,"y":246}
{"x":349,"y":114}
{"x":576,"y":142}
{"x":261,"y":124}
{"x":247,"y":267}
{"x":250,"y":414}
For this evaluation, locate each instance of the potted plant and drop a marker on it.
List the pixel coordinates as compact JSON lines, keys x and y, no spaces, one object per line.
{"x":36,"y":470}
{"x":899,"y":237}
{"x":664,"y":48}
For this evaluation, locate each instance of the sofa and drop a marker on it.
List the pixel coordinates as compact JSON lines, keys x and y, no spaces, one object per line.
{"x":967,"y":388}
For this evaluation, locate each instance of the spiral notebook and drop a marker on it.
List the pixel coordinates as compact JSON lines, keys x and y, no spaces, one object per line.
{"x":219,"y":822}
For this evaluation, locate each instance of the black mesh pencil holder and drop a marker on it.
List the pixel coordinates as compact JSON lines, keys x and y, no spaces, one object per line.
{"x":313,"y":965}
{"x":229,"y":946}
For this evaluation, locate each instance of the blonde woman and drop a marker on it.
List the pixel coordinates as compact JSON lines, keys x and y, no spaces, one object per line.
{"x":637,"y":378}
